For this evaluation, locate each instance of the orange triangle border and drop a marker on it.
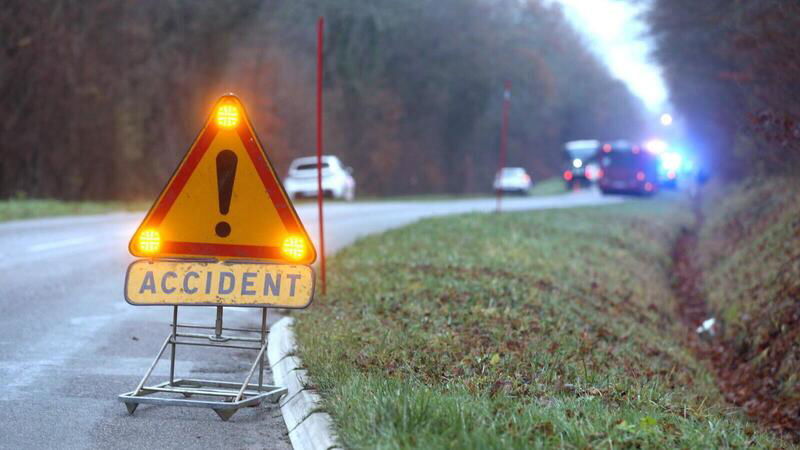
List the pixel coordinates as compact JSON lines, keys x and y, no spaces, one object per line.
{"x":180,"y":177}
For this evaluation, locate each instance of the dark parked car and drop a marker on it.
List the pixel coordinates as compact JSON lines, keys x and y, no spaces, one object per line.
{"x":628,"y":169}
{"x":580,"y":163}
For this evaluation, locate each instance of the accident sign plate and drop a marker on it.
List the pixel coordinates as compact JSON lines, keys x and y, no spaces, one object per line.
{"x":201,"y":283}
{"x":224,"y":201}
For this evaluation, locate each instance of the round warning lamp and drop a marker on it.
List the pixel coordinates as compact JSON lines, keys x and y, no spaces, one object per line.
{"x":294,"y":248}
{"x":227,"y":116}
{"x":149,"y":241}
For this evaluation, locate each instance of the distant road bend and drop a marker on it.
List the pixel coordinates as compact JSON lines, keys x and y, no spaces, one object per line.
{"x":69,"y":344}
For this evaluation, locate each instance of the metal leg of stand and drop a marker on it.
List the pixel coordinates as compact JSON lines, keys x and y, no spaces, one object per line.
{"x":250,"y":374}
{"x":174,"y":337}
{"x":152,"y":366}
{"x":218,"y":324}
{"x":263,"y":341}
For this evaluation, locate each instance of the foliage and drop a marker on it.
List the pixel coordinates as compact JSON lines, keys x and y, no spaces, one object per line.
{"x":101,"y":98}
{"x":97,"y":95}
{"x":732,"y":70}
{"x":515,"y":331}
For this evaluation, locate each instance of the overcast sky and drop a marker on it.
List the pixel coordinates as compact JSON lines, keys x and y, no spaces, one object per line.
{"x":617,"y":34}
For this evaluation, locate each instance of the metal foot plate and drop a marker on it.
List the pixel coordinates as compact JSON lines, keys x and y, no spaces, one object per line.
{"x":226,"y":406}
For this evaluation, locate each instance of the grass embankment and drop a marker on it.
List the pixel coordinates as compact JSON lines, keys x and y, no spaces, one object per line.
{"x":749,"y":250}
{"x":549,"y":329}
{"x":550,"y":186}
{"x":32,"y":208}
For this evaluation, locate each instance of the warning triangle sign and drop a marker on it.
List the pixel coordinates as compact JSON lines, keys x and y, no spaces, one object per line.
{"x":224,"y":201}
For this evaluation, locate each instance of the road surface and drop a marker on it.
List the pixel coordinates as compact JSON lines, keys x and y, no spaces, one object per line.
{"x":69,"y":344}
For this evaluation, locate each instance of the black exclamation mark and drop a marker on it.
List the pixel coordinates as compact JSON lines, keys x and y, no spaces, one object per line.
{"x":226,"y":172}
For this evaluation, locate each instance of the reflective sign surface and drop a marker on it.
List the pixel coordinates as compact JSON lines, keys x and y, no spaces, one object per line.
{"x":219,"y":284}
{"x":224,"y":201}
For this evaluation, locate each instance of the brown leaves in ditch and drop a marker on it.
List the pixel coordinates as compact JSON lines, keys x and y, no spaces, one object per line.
{"x":747,"y":378}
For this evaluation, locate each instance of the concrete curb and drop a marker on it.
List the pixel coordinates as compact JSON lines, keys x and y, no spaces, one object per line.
{"x":309,"y":428}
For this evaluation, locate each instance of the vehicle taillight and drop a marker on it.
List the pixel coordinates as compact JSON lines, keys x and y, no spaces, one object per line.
{"x":640,"y":175}
{"x":527,"y":177}
{"x":671,"y":174}
{"x":568,"y":175}
{"x":600,"y":173}
{"x":648,"y":186}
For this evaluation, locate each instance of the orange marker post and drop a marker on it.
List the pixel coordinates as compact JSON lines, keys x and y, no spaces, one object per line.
{"x":320,"y":193}
{"x":501,"y":163}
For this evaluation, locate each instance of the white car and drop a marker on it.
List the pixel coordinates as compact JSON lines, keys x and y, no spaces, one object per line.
{"x":337,"y":181}
{"x":512,"y":179}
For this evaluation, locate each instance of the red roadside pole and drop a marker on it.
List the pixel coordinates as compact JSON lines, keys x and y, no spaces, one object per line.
{"x":320,"y":193}
{"x":501,"y":163}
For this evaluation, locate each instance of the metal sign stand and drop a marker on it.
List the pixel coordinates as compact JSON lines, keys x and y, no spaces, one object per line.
{"x":225,"y":397}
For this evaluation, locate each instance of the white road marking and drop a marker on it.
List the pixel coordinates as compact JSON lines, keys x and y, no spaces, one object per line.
{"x":58,"y":244}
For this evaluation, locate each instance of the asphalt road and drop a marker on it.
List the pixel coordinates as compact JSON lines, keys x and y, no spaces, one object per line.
{"x":69,"y":344}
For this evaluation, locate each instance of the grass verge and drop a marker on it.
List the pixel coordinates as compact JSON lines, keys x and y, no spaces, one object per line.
{"x":750,"y":257}
{"x":537,"y":329}
{"x":550,"y":186}
{"x":16,"y":209}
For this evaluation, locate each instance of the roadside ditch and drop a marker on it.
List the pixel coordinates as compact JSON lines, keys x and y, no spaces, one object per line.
{"x":747,"y":385}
